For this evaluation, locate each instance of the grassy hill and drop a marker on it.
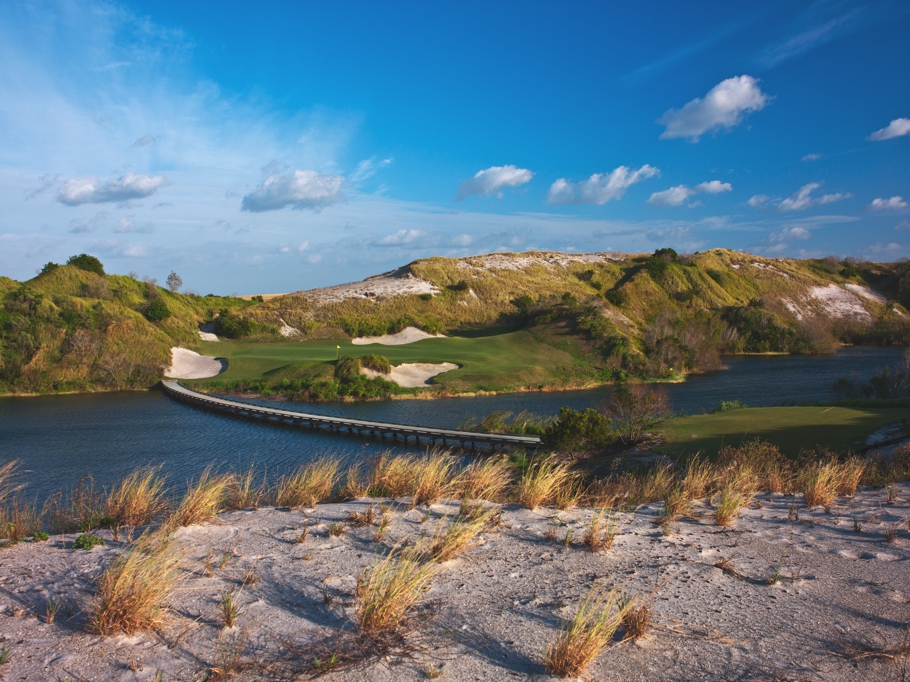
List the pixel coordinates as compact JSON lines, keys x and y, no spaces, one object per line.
{"x":516,"y":321}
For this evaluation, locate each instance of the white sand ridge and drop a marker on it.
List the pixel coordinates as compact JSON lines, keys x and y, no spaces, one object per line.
{"x":405,"y":336}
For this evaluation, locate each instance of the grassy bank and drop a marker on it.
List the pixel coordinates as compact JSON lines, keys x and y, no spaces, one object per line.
{"x":789,"y":428}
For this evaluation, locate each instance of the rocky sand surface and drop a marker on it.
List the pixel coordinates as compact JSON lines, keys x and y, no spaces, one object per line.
{"x":797,"y":599}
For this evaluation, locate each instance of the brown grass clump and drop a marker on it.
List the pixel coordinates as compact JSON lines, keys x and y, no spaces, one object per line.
{"x":356,"y":484}
{"x":133,"y":593}
{"x":202,"y":500}
{"x":698,"y":480}
{"x":364,"y":518}
{"x":727,"y":503}
{"x":485,"y":480}
{"x":433,"y":478}
{"x":425,"y":479}
{"x":243,"y":492}
{"x":636,"y":618}
{"x":768,"y":469}
{"x":309,"y":485}
{"x":8,"y":485}
{"x":390,"y":590}
{"x":459,"y":534}
{"x":138,"y":498}
{"x":601,"y":532}
{"x":580,"y":640}
{"x":543,"y":482}
{"x":19,"y":520}
{"x":77,"y":509}
{"x":818,"y":482}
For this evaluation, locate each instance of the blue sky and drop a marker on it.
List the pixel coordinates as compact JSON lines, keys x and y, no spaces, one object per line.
{"x":274,"y":147}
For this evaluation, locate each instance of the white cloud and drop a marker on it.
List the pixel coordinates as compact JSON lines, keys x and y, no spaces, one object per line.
{"x":790,"y":234}
{"x":725,"y":106}
{"x":368,"y":168}
{"x":301,"y":189}
{"x":676,"y":196}
{"x":77,"y":226}
{"x":127,"y":224}
{"x":47,"y":181}
{"x":903,"y":225}
{"x":758,"y":200}
{"x":401,"y":237}
{"x":891,"y":204}
{"x":90,"y":190}
{"x":812,"y":157}
{"x":493,"y":180}
{"x":804,"y":198}
{"x":600,"y":187}
{"x":897,"y":128}
{"x":146,"y":140}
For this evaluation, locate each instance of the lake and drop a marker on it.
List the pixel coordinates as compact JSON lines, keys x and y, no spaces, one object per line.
{"x":60,"y":438}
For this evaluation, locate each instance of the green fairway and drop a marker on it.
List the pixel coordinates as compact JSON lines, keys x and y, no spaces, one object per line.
{"x":790,"y":428}
{"x":502,"y":362}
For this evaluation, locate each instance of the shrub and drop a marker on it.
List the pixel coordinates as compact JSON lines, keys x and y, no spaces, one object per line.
{"x":425,"y":297}
{"x":156,"y":311}
{"x":574,"y":431}
{"x":49,"y":268}
{"x":727,"y":405}
{"x":635,"y":409}
{"x":86,"y":262}
{"x":348,"y":369}
{"x":40,"y":536}
{"x":88,"y":541}
{"x":234,"y":327}
{"x":459,"y":286}
{"x":615,"y":296}
{"x":379,"y":363}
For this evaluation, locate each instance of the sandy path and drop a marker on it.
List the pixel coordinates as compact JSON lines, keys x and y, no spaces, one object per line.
{"x":413,"y":374}
{"x":187,"y":364}
{"x":406,"y":335}
{"x":498,"y":605}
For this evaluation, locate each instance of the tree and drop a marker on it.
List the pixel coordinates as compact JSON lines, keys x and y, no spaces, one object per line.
{"x":86,"y":262}
{"x":636,"y":408}
{"x":578,"y":431}
{"x":174,"y":282}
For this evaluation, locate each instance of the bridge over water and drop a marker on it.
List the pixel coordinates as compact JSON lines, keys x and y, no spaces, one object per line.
{"x":395,"y":432}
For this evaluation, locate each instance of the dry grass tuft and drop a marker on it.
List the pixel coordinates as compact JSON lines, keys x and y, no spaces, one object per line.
{"x":636,"y":617}
{"x":818,"y":482}
{"x":898,"y":651}
{"x":433,"y":477}
{"x":543,"y":482}
{"x":243,"y":491}
{"x":727,"y":504}
{"x":580,"y":640}
{"x":459,"y":534}
{"x":601,"y":532}
{"x":203,"y":500}
{"x":390,"y":590}
{"x":485,"y":480}
{"x":133,"y":593}
{"x":364,"y":518}
{"x":309,"y":485}
{"x":138,"y":499}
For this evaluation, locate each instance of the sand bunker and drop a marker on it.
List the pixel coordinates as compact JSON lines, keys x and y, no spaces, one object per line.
{"x":866,"y":292}
{"x":207,"y":332}
{"x":406,"y":335}
{"x":413,"y":374}
{"x":840,"y":303}
{"x":187,"y":364}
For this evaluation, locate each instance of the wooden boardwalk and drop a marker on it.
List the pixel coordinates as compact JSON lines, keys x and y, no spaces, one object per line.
{"x":416,"y":435}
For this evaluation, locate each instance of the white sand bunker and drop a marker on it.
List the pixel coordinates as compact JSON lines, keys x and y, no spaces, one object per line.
{"x":406,"y":335}
{"x":413,"y":374}
{"x":187,"y":364}
{"x":207,"y":332}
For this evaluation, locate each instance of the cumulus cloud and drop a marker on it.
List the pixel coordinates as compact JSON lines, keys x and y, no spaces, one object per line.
{"x":600,"y":187}
{"x":897,"y":128}
{"x":127,"y":224}
{"x":676,"y":196}
{"x":90,"y":190}
{"x":758,"y":200}
{"x":891,"y":204}
{"x":790,"y":234}
{"x":301,"y":189}
{"x":146,"y":140}
{"x":804,"y":198}
{"x":725,"y":106}
{"x":493,"y":180}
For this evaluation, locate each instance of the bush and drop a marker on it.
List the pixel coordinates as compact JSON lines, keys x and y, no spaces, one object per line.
{"x":574,"y":431}
{"x":156,"y":311}
{"x":88,"y":541}
{"x":727,"y":405}
{"x":459,"y":286}
{"x":86,"y":262}
{"x":49,"y":268}
{"x":232,"y":327}
{"x":348,"y":369}
{"x":40,"y":536}
{"x":615,"y":296}
{"x":656,"y":267}
{"x":636,"y":408}
{"x":425,"y":297}
{"x":379,"y":363}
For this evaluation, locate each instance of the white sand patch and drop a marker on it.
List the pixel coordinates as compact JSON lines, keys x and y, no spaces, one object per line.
{"x":286,"y":330}
{"x":207,"y":332}
{"x":401,"y":282}
{"x":839,"y":302}
{"x":523,"y":261}
{"x":770,"y":268}
{"x":866,"y":292}
{"x":405,"y":336}
{"x":898,"y":312}
{"x":187,"y":364}
{"x":413,"y":374}
{"x":793,"y":308}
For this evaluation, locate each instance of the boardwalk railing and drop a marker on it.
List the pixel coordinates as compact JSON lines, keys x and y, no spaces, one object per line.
{"x":381,"y":430}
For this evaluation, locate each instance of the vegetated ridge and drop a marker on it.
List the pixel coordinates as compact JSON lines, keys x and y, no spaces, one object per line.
{"x":607,"y":317}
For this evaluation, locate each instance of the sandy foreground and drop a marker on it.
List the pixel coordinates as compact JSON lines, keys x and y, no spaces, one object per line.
{"x":188,"y":364}
{"x":493,"y":610}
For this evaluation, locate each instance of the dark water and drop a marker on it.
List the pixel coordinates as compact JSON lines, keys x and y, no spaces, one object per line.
{"x":60,"y":438}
